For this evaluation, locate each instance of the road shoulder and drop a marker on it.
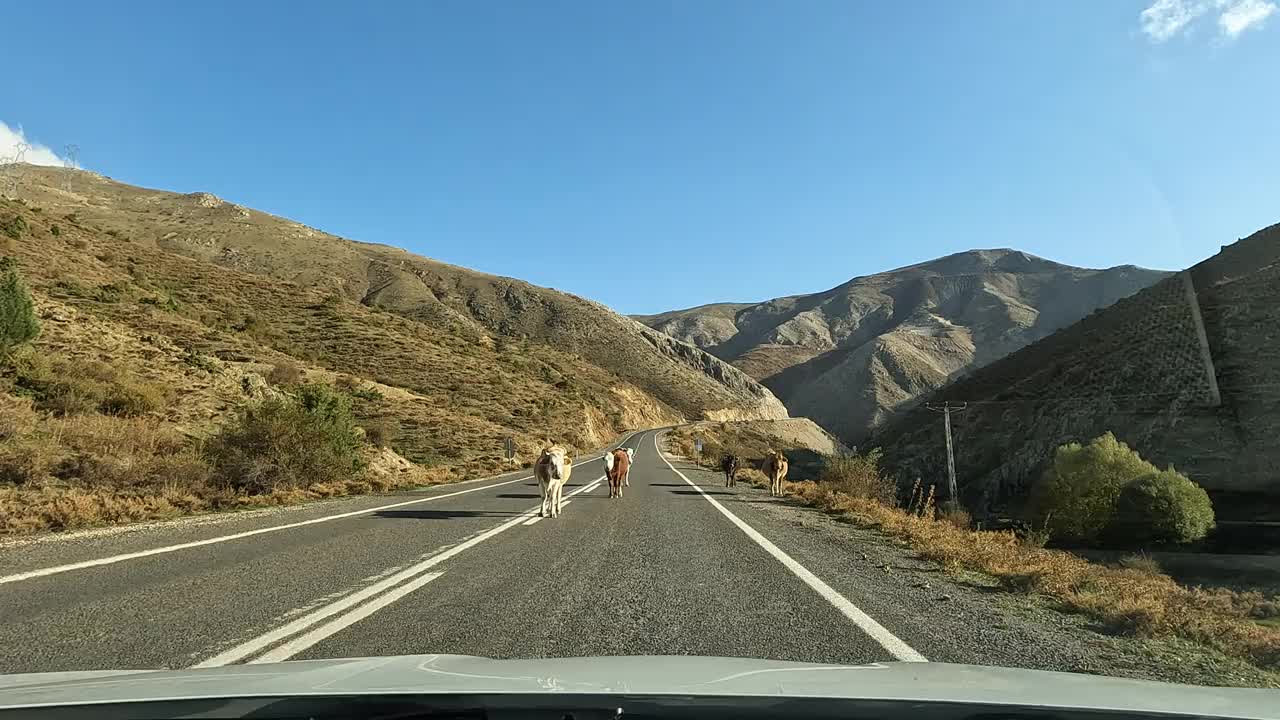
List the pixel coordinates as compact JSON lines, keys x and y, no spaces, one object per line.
{"x":962,"y":618}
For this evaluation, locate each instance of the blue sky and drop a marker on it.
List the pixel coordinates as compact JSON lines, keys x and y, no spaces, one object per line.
{"x":705,"y":151}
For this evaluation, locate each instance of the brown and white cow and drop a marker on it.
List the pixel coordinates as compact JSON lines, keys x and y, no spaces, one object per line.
{"x":617,"y":465}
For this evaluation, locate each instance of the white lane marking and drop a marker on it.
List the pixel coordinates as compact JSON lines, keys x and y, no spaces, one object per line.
{"x":255,"y":645}
{"x":112,"y":559}
{"x":532,"y":520}
{"x":896,"y":647}
{"x":298,"y":644}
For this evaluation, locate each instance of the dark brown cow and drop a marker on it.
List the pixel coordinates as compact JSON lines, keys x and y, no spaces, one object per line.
{"x":729,"y":466}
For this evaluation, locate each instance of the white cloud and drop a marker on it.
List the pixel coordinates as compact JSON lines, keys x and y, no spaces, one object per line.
{"x":36,"y":153}
{"x":1165,"y":19}
{"x":1240,"y":15}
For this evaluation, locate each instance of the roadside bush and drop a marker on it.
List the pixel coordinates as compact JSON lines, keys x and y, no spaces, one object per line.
{"x":956,"y":515}
{"x":1076,"y":497}
{"x":18,"y":324}
{"x":858,"y":476}
{"x":1164,"y":507}
{"x":131,"y":398}
{"x":284,"y":374}
{"x":69,"y":386}
{"x":289,"y":442}
{"x":381,"y":432}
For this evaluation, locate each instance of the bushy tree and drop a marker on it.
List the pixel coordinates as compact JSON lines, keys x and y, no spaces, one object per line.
{"x":1076,"y":497}
{"x":289,"y":441}
{"x":18,"y":323}
{"x":859,"y":476}
{"x":1163,"y":507}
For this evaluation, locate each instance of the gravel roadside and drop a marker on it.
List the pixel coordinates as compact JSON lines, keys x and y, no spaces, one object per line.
{"x":963,"y":618}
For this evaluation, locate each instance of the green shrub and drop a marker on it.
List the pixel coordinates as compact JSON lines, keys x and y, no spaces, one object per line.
{"x":18,"y":324}
{"x":859,"y":476}
{"x":1076,"y":497}
{"x":165,"y":300}
{"x":199,"y":360}
{"x":289,"y":441}
{"x":1163,"y":507}
{"x":13,"y":226}
{"x":108,"y":293}
{"x":367,"y":394}
{"x":55,"y":230}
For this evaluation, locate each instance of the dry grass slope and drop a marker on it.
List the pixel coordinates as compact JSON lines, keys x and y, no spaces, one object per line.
{"x":144,"y":354}
{"x":451,"y":299}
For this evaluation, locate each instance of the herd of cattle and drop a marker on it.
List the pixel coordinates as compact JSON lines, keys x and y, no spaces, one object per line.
{"x":774,"y":466}
{"x":554,"y":467}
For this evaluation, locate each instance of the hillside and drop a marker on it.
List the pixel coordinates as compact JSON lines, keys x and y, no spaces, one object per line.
{"x":1138,"y":369}
{"x":854,"y":355}
{"x":207,"y":228}
{"x":144,"y":355}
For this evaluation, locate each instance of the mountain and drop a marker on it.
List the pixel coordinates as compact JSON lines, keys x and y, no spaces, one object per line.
{"x":1186,"y":371}
{"x":853,"y":356}
{"x":207,"y":228}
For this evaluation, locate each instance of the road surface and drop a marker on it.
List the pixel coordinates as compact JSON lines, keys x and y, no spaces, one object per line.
{"x":679,"y":565}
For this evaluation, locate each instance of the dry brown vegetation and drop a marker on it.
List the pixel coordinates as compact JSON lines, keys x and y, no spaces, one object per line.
{"x":1134,"y":599}
{"x":445,"y":301}
{"x":144,"y":356}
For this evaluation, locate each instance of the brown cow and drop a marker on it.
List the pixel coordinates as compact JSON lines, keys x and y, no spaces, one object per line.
{"x":775,"y":467}
{"x":617,"y":464}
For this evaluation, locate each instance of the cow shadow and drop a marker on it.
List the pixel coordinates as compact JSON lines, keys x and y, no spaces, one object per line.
{"x":704,"y":492}
{"x":521,"y":496}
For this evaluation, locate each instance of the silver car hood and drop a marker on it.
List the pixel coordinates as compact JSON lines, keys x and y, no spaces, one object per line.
{"x":639,"y":676}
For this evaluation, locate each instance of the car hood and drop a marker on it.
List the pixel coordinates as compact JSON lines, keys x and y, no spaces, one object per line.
{"x":638,"y":676}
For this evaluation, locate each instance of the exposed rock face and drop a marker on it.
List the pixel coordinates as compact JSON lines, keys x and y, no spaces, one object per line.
{"x":852,"y":357}
{"x":1137,"y":369}
{"x":767,"y":406}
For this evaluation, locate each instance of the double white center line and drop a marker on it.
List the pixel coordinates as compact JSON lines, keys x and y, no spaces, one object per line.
{"x":308,"y":630}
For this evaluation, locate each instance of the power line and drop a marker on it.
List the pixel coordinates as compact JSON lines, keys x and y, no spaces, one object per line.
{"x":10,"y":168}
{"x":70,"y":161}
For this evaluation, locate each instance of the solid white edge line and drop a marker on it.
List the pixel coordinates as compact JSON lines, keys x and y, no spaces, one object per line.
{"x":254,"y":645}
{"x":112,"y":559}
{"x":890,"y":642}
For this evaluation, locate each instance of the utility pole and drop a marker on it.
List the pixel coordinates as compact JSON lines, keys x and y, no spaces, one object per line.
{"x":946,"y":410}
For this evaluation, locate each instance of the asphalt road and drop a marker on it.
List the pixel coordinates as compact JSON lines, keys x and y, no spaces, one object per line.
{"x":679,"y":565}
